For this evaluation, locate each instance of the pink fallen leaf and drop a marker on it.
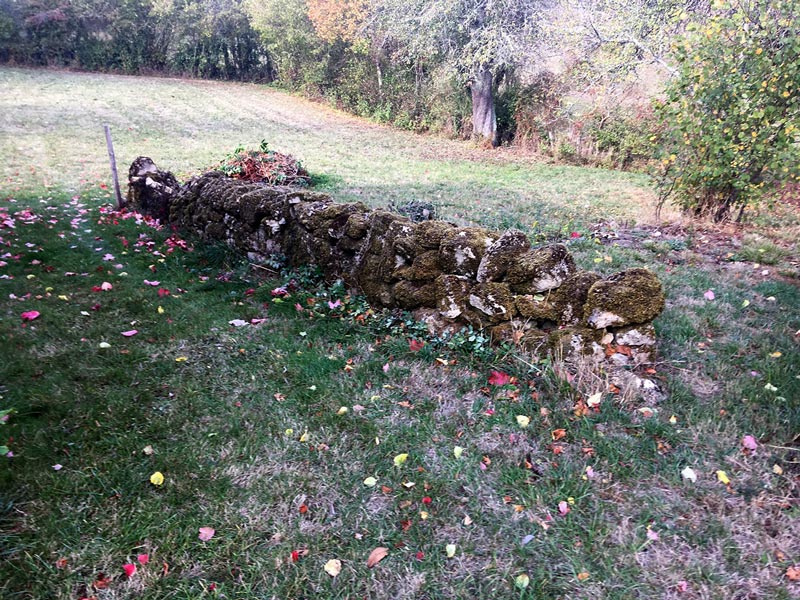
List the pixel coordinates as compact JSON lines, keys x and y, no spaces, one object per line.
{"x":652,"y":535}
{"x":709,"y":295}
{"x":30,"y":315}
{"x":130,"y":333}
{"x":334,"y":305}
{"x":143,"y":558}
{"x":105,"y":286}
{"x":206,"y":533}
{"x":153,"y":283}
{"x":749,"y":442}
{"x":386,"y":368}
{"x":130,"y":569}
{"x":376,"y":556}
{"x":415,"y":345}
{"x":498,"y":378}
{"x":57,"y":467}
{"x":563,"y":508}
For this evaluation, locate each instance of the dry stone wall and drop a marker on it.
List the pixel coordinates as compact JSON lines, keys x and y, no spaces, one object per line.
{"x":449,"y":276}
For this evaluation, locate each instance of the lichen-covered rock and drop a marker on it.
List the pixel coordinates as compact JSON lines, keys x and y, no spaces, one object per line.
{"x":494,"y":300}
{"x":540,"y":270}
{"x":356,"y":226}
{"x":569,"y":298}
{"x":452,"y":295}
{"x":461,"y":253}
{"x":537,"y":307}
{"x":501,"y":254}
{"x":627,"y":298}
{"x":573,"y":343}
{"x":150,"y":190}
{"x":636,"y":335}
{"x":409,"y":295}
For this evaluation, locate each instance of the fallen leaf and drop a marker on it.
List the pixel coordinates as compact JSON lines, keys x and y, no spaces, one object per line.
{"x":558,"y":434}
{"x":181,"y":359}
{"x":342,"y":411}
{"x":238,"y":322}
{"x":130,"y":333}
{"x":148,"y":450}
{"x":102,"y":582}
{"x":450,"y":550}
{"x":523,"y":421}
{"x":722,"y":476}
{"x":157,"y":478}
{"x":498,"y":378}
{"x":370,"y":482}
{"x":689,"y":474}
{"x":776,"y":468}
{"x":709,"y":295}
{"x":130,"y":569}
{"x":458,"y":451}
{"x":376,"y":556}
{"x":749,"y":442}
{"x":400,"y":459}
{"x":205,"y":533}
{"x":57,"y":467}
{"x":415,"y":346}
{"x":563,"y":508}
{"x":467,"y":520}
{"x":594,"y":400}
{"x":61,"y":563}
{"x":583,"y":576}
{"x":522,"y":581}
{"x":333,"y":567}
{"x":775,"y":354}
{"x":793,"y":573}
{"x":30,"y":315}
{"x":143,"y":558}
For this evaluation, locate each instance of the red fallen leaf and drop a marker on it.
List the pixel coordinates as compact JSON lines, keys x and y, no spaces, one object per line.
{"x":61,"y":563}
{"x":574,"y":234}
{"x":386,"y":489}
{"x":212,"y":587}
{"x":130,"y":569}
{"x":499,"y":378}
{"x":420,"y":555}
{"x":143,"y":559}
{"x":163,"y":292}
{"x":427,"y":500}
{"x":415,"y":345}
{"x":405,"y":525}
{"x":30,"y":315}
{"x":249,"y":292}
{"x":558,"y":434}
{"x":102,"y":582}
{"x":303,"y":509}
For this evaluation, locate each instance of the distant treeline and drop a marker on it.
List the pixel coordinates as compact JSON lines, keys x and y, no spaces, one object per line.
{"x":197,"y":38}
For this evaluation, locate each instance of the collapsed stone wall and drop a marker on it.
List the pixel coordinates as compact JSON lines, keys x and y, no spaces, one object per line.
{"x":448,"y":275}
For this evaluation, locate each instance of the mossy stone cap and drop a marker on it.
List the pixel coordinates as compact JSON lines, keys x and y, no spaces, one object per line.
{"x":630,"y":297}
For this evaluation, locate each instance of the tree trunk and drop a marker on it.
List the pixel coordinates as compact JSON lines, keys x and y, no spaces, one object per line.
{"x":484,"y":120}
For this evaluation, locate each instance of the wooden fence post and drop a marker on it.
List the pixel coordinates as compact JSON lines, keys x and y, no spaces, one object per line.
{"x":113,"y":161}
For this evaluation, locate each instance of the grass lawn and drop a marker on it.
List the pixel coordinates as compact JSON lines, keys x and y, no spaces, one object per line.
{"x":304,"y":432}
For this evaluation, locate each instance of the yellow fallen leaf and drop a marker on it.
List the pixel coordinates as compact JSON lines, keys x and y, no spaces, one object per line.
{"x":423,"y":514}
{"x":400,"y":459}
{"x":304,"y":437}
{"x":63,"y":297}
{"x":161,"y":310}
{"x":522,"y":581}
{"x":333,"y":567}
{"x":289,"y":431}
{"x":376,"y":556}
{"x":673,"y":420}
{"x":157,"y":478}
{"x":370,"y":482}
{"x":776,"y":355}
{"x":583,"y":576}
{"x":746,"y":303}
{"x":343,"y":410}
{"x":777,"y":469}
{"x":458,"y":451}
{"x":181,"y":359}
{"x":523,"y":421}
{"x":408,"y":484}
{"x":467,"y":520}
{"x":450,"y":549}
{"x":723,"y":477}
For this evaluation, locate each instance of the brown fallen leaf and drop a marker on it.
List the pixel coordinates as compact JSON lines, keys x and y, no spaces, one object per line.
{"x":376,"y":556}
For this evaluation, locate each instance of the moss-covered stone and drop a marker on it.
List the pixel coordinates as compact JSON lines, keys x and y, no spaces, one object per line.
{"x":537,"y":307}
{"x":356,"y":227}
{"x":493,"y":301}
{"x":426,"y":267}
{"x":627,"y":298}
{"x":569,"y":298}
{"x":540,"y":270}
{"x":461,"y":253}
{"x":501,"y":254}
{"x":573,"y":342}
{"x":409,"y":295}
{"x":635,"y":335}
{"x":429,"y":235}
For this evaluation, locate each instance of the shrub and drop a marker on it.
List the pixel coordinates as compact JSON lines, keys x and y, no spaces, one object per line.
{"x":731,"y":114}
